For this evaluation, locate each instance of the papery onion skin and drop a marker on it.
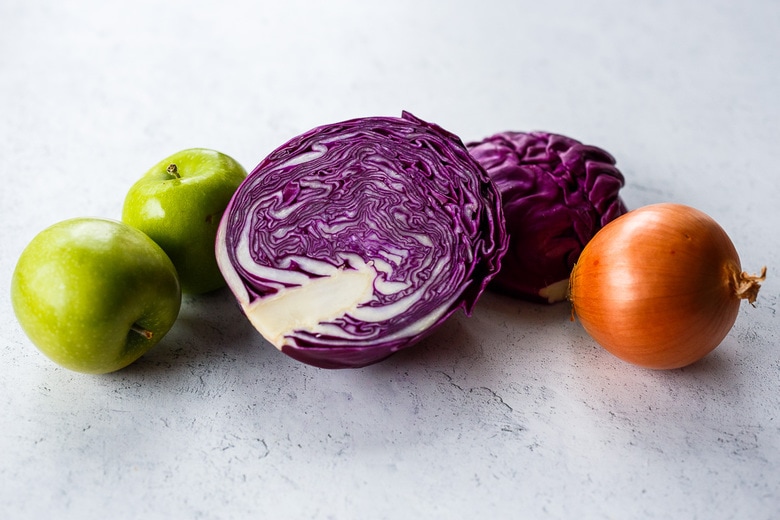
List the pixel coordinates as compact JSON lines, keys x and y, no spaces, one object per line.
{"x":388,"y":220}
{"x":557,"y":193}
{"x":658,"y":286}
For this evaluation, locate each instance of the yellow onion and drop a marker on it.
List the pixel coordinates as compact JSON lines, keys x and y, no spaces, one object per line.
{"x":660,"y":286}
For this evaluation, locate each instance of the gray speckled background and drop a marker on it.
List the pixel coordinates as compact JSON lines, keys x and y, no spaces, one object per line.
{"x":511,"y":413}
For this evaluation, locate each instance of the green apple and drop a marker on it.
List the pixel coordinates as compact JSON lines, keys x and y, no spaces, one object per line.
{"x":94,"y":294}
{"x":179,"y":203}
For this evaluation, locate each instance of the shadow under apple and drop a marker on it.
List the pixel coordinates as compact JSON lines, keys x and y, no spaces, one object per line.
{"x":211,"y":328}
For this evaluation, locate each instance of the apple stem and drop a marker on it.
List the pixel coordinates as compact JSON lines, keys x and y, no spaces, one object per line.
{"x":142,"y":331}
{"x":174,"y":171}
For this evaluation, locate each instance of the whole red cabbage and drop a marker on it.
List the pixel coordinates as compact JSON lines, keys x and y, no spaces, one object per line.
{"x":557,"y":193}
{"x":357,"y":239}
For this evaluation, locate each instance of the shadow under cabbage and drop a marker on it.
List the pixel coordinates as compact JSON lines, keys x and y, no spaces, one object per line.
{"x":500,"y":323}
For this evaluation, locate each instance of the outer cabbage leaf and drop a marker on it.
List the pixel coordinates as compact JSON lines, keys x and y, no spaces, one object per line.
{"x":357,"y":239}
{"x":557,"y":193}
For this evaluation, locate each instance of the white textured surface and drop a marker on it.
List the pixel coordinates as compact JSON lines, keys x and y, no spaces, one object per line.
{"x":512,"y":413}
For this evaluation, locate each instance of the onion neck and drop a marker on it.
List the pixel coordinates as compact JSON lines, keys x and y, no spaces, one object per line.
{"x":746,"y":285}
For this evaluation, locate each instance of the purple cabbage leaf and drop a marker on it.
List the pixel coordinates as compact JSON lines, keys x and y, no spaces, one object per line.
{"x":556,"y":194}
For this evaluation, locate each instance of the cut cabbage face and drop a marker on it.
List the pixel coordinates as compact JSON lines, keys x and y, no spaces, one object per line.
{"x":357,"y":239}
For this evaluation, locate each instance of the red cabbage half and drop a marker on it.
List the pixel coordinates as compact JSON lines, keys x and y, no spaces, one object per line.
{"x":557,"y":193}
{"x":356,"y":239}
